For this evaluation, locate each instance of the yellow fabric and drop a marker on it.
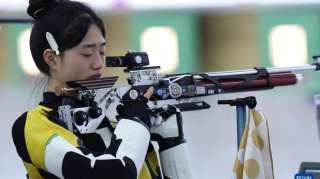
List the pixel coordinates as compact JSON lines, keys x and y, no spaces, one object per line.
{"x":151,"y":157}
{"x":38,"y":130}
{"x":254,"y":158}
{"x":64,"y":133}
{"x":153,"y":163}
{"x":144,"y":174}
{"x":32,"y":171}
{"x":113,"y":122}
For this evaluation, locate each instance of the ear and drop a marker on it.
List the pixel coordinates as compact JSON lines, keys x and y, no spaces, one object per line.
{"x":50,"y":58}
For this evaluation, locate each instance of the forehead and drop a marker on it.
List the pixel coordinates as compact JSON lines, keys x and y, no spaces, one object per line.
{"x":93,"y":36}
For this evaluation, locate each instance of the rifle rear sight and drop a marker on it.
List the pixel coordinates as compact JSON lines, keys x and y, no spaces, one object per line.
{"x":135,"y":62}
{"x":132,"y":60}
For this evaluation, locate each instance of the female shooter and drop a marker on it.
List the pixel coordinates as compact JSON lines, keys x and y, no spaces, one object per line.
{"x":48,"y":149}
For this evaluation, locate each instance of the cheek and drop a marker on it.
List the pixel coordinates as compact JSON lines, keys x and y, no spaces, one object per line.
{"x":75,"y":69}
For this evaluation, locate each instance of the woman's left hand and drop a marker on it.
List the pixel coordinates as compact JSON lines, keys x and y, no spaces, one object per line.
{"x":138,"y":109}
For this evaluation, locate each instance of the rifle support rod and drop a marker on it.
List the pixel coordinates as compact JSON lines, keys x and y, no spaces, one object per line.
{"x":272,"y":70}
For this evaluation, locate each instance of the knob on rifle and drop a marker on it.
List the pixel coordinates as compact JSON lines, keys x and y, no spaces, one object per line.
{"x":62,"y":91}
{"x":80,"y":117}
{"x":95,"y":112}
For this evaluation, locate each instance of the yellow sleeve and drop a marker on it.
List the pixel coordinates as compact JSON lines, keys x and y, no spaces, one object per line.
{"x":38,"y":130}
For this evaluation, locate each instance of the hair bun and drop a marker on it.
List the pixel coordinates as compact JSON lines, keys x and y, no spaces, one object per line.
{"x":38,"y":8}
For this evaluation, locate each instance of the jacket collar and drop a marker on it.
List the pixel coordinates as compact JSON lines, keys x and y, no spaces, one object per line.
{"x":50,"y":100}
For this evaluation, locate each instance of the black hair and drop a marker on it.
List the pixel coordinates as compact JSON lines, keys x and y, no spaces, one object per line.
{"x":68,"y":22}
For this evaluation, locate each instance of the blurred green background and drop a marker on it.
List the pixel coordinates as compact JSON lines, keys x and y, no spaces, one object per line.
{"x":208,"y":41}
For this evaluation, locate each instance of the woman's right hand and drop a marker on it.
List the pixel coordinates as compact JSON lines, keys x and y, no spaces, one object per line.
{"x":137,"y":110}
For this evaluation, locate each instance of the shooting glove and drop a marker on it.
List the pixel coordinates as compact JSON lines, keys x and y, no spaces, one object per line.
{"x":137,"y":112}
{"x":169,"y":132}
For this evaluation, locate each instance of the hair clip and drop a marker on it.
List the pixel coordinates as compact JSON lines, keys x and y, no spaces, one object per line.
{"x":34,"y":14}
{"x":53,"y":44}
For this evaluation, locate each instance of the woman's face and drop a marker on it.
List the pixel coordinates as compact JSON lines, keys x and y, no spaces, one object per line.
{"x":84,"y":61}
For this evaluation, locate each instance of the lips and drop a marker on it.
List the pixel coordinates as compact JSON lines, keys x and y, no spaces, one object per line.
{"x":98,"y":75}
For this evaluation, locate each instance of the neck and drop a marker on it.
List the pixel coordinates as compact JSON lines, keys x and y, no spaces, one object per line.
{"x":53,"y":83}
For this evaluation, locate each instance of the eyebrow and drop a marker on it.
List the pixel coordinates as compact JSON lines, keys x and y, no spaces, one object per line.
{"x":93,"y":45}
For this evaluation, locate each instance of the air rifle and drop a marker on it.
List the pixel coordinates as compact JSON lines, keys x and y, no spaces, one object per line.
{"x":182,"y":87}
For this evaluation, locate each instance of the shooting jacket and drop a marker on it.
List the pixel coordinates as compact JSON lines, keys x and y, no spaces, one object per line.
{"x":49,"y":150}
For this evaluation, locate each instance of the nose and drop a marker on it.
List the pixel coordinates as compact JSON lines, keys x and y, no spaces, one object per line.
{"x":98,"y":62}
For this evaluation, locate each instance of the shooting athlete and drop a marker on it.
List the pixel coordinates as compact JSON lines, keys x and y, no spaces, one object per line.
{"x":67,"y":44}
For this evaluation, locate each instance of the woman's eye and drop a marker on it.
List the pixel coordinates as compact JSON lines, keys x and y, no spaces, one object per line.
{"x":102,"y":53}
{"x":87,"y":55}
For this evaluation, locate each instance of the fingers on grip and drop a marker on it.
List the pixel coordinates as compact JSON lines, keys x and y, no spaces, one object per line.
{"x":148,"y":93}
{"x":152,"y":120}
{"x":158,"y":120}
{"x":155,"y":120}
